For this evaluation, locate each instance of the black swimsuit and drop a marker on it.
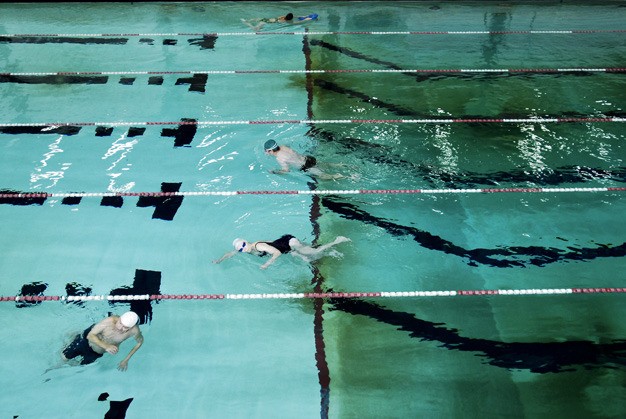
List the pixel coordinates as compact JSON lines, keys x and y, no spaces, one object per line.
{"x":281,"y":244}
{"x":80,"y":347}
{"x":309,"y":161}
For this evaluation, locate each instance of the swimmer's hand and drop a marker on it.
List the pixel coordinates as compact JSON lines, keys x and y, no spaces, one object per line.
{"x":112,"y":349}
{"x":123,"y":366}
{"x":264,"y":266}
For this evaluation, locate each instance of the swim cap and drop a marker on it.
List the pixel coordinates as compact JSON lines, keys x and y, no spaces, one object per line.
{"x":129,"y":319}
{"x":237,"y":243}
{"x":270,"y":145}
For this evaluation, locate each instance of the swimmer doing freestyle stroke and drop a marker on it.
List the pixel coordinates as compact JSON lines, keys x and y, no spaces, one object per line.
{"x":283,"y":245}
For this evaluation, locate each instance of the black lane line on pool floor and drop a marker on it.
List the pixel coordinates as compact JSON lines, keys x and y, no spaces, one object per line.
{"x":537,"y":357}
{"x":420,"y":76}
{"x":435,"y":176}
{"x":145,"y":282}
{"x":165,"y":207}
{"x":404,"y":112}
{"x":203,"y":42}
{"x":196,"y":81}
{"x":183,"y":133}
{"x":321,"y":361}
{"x":498,"y":257}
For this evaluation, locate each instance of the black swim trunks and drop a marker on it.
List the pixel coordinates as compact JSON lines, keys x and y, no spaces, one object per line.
{"x":309,"y":161}
{"x":282,"y":244}
{"x":80,"y":347}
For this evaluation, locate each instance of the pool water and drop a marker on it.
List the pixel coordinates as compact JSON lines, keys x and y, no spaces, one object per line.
{"x":154,"y":106}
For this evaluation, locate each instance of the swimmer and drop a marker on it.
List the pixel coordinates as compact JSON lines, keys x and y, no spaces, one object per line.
{"x":105,"y":336}
{"x":288,"y":157}
{"x":283,"y":245}
{"x":258,"y":23}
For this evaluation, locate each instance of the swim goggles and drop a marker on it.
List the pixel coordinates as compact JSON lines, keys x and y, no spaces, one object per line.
{"x":242,"y":247}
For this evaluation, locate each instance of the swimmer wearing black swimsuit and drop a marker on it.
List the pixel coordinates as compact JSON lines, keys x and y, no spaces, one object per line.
{"x":309,"y":162}
{"x":80,"y":347}
{"x":281,"y":244}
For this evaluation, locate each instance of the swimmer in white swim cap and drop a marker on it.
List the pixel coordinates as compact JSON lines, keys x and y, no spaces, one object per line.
{"x":105,"y":336}
{"x":129,"y":319}
{"x":283,"y":245}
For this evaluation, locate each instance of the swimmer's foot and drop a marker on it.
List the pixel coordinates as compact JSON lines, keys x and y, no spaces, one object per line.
{"x":341,"y":239}
{"x":335,"y":254}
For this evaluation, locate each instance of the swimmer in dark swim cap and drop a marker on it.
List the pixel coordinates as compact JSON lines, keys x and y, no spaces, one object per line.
{"x":287,"y":158}
{"x":257,"y":23}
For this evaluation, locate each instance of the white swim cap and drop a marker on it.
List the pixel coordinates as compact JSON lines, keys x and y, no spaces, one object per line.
{"x":129,"y":319}
{"x":238,"y":243}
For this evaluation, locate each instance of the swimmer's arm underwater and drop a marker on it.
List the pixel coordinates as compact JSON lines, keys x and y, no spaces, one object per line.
{"x":226,"y":256}
{"x":124,"y":364}
{"x":284,"y":168}
{"x":278,"y":172}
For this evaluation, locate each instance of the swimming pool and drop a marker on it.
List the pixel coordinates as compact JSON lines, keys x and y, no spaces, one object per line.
{"x":467,"y":125}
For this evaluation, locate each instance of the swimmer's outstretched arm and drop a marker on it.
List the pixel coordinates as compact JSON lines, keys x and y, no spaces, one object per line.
{"x":124,"y":364}
{"x":226,"y":256}
{"x":278,"y":172}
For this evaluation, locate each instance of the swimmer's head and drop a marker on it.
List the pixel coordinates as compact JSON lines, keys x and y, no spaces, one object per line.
{"x":239,"y":244}
{"x":129,"y":319}
{"x":289,"y":16}
{"x":270,"y":145}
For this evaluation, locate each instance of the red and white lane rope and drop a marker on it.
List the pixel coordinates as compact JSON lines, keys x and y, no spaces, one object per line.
{"x":329,"y":71}
{"x":53,"y":125}
{"x":312,"y":295}
{"x":248,"y":33}
{"x":36,"y":195}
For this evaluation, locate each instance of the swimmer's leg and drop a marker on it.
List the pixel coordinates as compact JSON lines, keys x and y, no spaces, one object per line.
{"x":252,"y":26}
{"x":63,"y":362}
{"x":315,"y":171}
{"x":301,"y":256}
{"x":314,"y":251}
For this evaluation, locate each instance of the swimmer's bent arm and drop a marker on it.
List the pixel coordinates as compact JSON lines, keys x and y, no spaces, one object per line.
{"x":92,"y":336}
{"x":226,"y":256}
{"x":284,"y":168}
{"x":264,"y":247}
{"x":124,"y":364}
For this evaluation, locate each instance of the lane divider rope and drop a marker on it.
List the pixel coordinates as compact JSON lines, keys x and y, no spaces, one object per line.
{"x":34,"y":195}
{"x":313,"y":295}
{"x":330,"y":71}
{"x":52,"y":125}
{"x":521,"y":32}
